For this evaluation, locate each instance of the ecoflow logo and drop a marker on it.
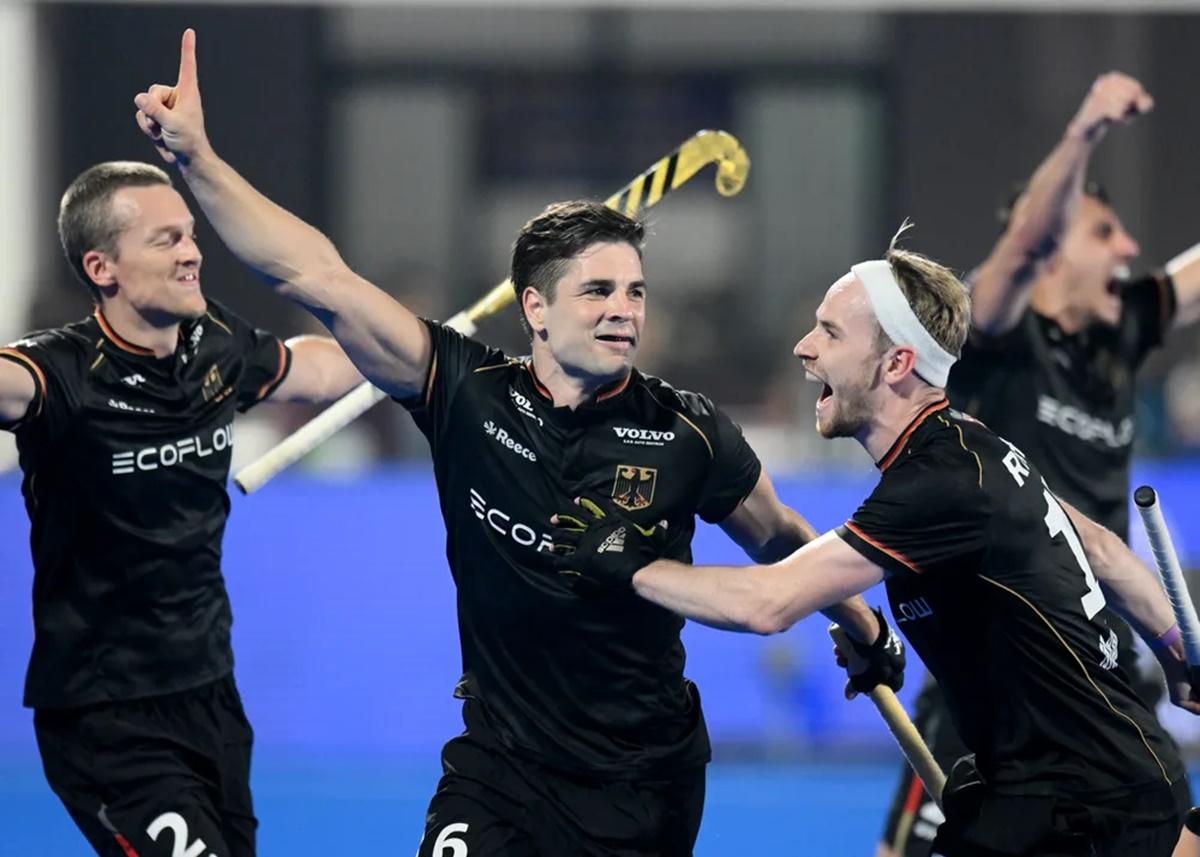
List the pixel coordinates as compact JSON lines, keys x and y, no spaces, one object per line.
{"x":173,"y":453}
{"x":502,"y":523}
{"x":1069,"y":419}
{"x":506,"y":440}
{"x":643,"y":437}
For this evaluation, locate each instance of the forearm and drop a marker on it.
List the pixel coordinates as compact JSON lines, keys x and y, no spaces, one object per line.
{"x":1130,"y":588}
{"x":856,"y":617}
{"x":725,"y":597}
{"x":1002,"y":284}
{"x":1184,"y":271}
{"x":293,"y":256}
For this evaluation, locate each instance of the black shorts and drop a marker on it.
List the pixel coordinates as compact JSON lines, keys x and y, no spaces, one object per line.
{"x":495,"y":803}
{"x":1145,"y":823}
{"x":912,"y":822}
{"x":154,"y":777}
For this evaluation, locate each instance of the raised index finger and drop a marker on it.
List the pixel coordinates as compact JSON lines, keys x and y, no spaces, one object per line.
{"x":187,"y":60}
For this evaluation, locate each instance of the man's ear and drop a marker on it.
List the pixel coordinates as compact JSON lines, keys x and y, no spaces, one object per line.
{"x":534,"y":305}
{"x":99,"y":268}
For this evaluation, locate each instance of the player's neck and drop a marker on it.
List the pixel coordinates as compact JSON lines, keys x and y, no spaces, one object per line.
{"x":894,"y":416}
{"x":566,"y":389}
{"x":159,"y":337}
{"x":1050,"y":299}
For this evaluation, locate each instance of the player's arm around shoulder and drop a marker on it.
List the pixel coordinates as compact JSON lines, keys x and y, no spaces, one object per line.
{"x":320,"y":372}
{"x":17,"y":391}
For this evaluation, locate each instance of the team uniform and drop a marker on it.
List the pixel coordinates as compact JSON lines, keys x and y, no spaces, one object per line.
{"x":989,"y":582}
{"x":582,"y":734}
{"x":125,"y":458}
{"x":1067,"y":401}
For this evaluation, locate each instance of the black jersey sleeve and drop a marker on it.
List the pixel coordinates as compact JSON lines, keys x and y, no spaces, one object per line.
{"x":1148,"y":309}
{"x":734,"y":472}
{"x":264,"y":359}
{"x":455,"y":358}
{"x":928,"y":515}
{"x":55,"y":361}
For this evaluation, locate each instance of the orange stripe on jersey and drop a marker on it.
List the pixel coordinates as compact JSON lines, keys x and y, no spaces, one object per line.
{"x":608,"y":394}
{"x":28,"y":362}
{"x":902,"y":441}
{"x":896,"y":555}
{"x":278,"y":373}
{"x":117,"y":339}
{"x":432,"y":377}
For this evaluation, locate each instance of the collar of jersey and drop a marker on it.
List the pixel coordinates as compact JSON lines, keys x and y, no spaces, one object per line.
{"x":898,"y":447}
{"x":121,"y":342}
{"x":604,"y":395}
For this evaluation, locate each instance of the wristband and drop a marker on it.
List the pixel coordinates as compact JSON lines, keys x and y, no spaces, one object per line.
{"x":1167,"y":638}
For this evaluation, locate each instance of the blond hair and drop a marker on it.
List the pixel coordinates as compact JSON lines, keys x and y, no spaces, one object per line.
{"x":938,"y":298}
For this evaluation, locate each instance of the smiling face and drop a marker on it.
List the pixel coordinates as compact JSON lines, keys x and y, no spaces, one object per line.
{"x":593,"y":324}
{"x":842,"y":354}
{"x":155,"y":266}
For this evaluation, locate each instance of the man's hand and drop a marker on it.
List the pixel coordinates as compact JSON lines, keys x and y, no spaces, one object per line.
{"x":881,"y":662}
{"x":1114,"y":99}
{"x":597,"y":544}
{"x":1183,"y":681}
{"x":172,"y":116}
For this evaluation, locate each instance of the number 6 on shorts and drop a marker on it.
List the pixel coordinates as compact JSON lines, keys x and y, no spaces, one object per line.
{"x":448,"y":844}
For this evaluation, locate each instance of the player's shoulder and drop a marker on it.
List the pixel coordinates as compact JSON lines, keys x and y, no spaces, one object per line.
{"x":60,"y":347}
{"x":218,"y":322}
{"x":690,"y":404}
{"x":945,"y":449}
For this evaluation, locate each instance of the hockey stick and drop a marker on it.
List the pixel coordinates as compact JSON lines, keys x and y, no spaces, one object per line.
{"x":912,"y":745}
{"x":1159,"y":537}
{"x":645,"y":191}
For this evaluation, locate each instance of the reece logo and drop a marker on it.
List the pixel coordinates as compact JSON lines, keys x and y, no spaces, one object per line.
{"x":507,"y":441}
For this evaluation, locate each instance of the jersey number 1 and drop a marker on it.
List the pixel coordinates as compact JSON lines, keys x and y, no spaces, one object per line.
{"x":1058,"y":523}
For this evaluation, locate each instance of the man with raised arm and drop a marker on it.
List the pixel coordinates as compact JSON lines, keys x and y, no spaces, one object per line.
{"x":582,"y":734}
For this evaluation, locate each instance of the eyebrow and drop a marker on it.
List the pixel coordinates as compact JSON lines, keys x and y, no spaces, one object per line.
{"x":164,"y":230}
{"x":610,"y":284}
{"x":829,"y":325}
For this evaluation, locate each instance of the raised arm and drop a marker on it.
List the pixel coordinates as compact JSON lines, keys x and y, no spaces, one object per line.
{"x":389,"y":344}
{"x":1185,"y":274}
{"x":1001,"y":285}
{"x":16,"y":391}
{"x":1134,"y":592}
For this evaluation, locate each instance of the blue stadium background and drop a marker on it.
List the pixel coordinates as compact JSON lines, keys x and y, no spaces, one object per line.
{"x":347,"y":653}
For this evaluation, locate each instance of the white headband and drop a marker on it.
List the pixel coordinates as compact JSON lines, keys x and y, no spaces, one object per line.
{"x":900,"y":323}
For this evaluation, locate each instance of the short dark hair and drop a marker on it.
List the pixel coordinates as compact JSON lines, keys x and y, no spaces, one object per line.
{"x":1091,"y":188}
{"x":561,"y":232}
{"x":85,"y":215}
